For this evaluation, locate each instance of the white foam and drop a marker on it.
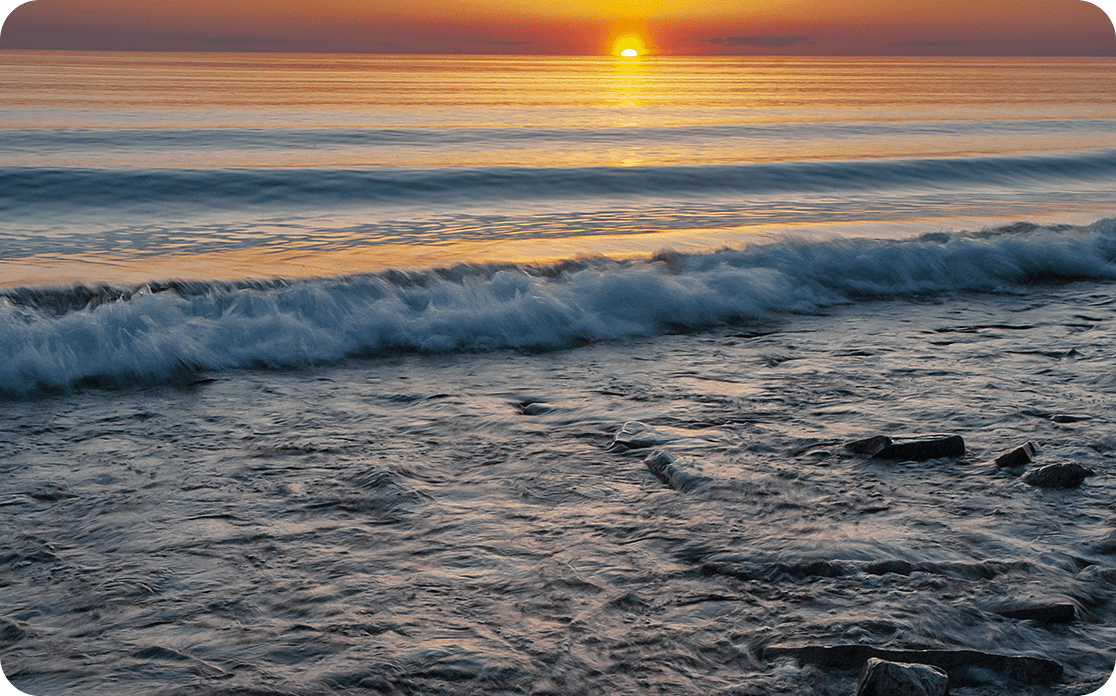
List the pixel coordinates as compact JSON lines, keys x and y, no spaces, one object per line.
{"x":172,"y":335}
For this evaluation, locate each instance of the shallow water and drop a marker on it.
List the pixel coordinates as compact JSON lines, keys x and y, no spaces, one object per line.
{"x":455,"y":523}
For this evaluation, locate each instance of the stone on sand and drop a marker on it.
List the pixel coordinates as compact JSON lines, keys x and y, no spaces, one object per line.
{"x":634,"y":435}
{"x":1044,"y":612}
{"x":1065,"y":475}
{"x":921,"y":450}
{"x":883,"y":678}
{"x":869,"y":445}
{"x":665,"y":467}
{"x":964,"y":667}
{"x":1024,"y":454}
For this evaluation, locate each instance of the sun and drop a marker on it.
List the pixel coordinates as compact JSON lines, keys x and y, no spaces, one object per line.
{"x":628,"y":45}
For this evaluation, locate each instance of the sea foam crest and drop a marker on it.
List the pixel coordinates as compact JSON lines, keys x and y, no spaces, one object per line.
{"x":63,"y":338}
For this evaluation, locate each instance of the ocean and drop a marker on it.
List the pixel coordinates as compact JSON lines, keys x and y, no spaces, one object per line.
{"x":347,"y":374}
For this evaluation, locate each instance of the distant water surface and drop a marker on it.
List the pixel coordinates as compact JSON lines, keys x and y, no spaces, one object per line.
{"x":132,"y":167}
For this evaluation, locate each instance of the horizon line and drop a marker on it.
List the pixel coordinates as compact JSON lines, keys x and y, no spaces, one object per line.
{"x":563,"y":55}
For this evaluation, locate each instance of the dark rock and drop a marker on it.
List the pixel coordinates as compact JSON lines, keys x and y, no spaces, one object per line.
{"x":895,"y":566}
{"x":873,"y":509}
{"x":964,"y":667}
{"x":1065,"y":475}
{"x":883,"y":678}
{"x":773,"y":572}
{"x":663,"y":466}
{"x":814,"y":569}
{"x":1070,"y":419}
{"x":635,"y":435}
{"x":985,"y":570}
{"x":629,"y":602}
{"x":1024,"y":454}
{"x":921,"y":450}
{"x":868,"y":446}
{"x":1049,"y":612}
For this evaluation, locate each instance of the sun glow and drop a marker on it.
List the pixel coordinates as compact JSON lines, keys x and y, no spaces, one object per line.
{"x":628,"y":45}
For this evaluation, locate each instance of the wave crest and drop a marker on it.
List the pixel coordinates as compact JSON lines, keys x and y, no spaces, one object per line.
{"x":27,"y":189}
{"x":165,"y":332}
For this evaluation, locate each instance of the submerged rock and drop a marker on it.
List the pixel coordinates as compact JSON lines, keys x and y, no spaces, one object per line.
{"x":634,"y":435}
{"x":964,"y":667}
{"x":894,"y":566}
{"x":1065,"y":475}
{"x":921,"y":450}
{"x":1065,"y":418}
{"x":1095,"y":573}
{"x":663,"y":466}
{"x":1105,"y":545}
{"x":1046,"y":612}
{"x":1024,"y":454}
{"x":776,"y":572}
{"x":883,"y":678}
{"x":534,"y":408}
{"x":869,"y":445}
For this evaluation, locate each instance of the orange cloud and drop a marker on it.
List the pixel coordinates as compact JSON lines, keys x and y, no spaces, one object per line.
{"x":840,"y":27}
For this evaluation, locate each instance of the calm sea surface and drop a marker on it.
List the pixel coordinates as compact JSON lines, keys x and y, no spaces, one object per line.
{"x":313,"y":367}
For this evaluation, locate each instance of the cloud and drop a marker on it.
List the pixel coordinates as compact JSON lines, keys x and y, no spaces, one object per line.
{"x":496,"y":42}
{"x":924,"y":44}
{"x":764,"y":41}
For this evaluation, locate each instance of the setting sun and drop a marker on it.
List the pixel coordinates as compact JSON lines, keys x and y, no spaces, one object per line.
{"x":628,"y":45}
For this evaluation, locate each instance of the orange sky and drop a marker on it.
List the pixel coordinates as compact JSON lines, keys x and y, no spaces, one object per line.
{"x":666,"y":27}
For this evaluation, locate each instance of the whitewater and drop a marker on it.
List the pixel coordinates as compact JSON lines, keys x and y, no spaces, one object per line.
{"x":462,"y":375}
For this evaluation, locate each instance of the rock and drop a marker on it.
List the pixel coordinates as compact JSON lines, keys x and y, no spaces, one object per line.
{"x":1070,"y":419}
{"x":883,"y":678}
{"x":895,"y":566}
{"x":964,"y":667}
{"x":663,"y":466}
{"x":1096,"y":573}
{"x":921,"y":450}
{"x":1024,"y":454}
{"x":775,"y":572}
{"x":1065,"y":475}
{"x":873,"y":509}
{"x":868,"y":446}
{"x":1048,"y":612}
{"x":634,"y":435}
{"x":534,"y":408}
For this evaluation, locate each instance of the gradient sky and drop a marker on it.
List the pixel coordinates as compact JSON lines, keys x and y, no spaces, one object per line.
{"x":666,"y":27}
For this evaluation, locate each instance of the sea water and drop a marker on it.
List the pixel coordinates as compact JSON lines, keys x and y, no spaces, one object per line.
{"x":313,"y":367}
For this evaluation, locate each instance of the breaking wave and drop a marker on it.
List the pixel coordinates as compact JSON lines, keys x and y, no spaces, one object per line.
{"x":63,"y":338}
